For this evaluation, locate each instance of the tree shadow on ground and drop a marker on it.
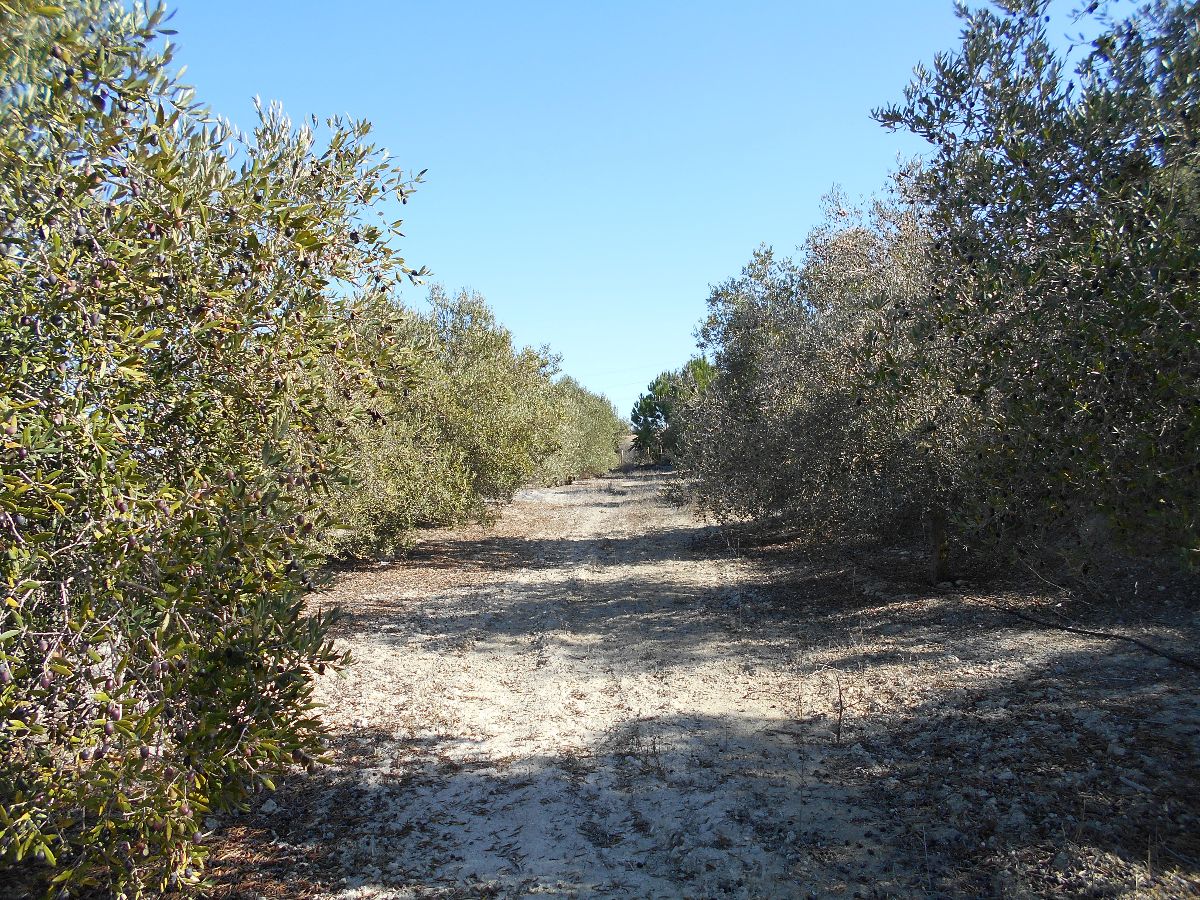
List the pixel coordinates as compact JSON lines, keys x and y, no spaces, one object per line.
{"x":698,"y":806}
{"x":506,"y":552}
{"x":1076,"y":774}
{"x":1075,"y":777}
{"x":1006,"y":758}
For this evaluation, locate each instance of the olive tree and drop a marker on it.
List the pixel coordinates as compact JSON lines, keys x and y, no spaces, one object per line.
{"x":1065,"y":266}
{"x":167,"y":290}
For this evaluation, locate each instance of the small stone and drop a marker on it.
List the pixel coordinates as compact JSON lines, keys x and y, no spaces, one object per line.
{"x":269,"y":807}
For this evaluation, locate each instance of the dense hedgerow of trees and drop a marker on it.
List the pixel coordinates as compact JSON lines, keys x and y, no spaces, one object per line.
{"x":1006,"y":345}
{"x":204,"y":385}
{"x":587,"y":435}
{"x":469,"y":420}
{"x":797,"y":429}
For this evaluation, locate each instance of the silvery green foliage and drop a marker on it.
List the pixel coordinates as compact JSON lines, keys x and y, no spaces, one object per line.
{"x":588,"y":434}
{"x":1065,"y":270}
{"x":1010,"y":345}
{"x":440,"y":417}
{"x":166,"y":297}
{"x":801,"y":427}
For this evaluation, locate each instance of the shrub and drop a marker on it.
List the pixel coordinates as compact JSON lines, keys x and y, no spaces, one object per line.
{"x":440,"y":417}
{"x":800,"y":428}
{"x":164,"y":305}
{"x":589,"y":432}
{"x":1065,"y":268}
{"x":1009,"y":345}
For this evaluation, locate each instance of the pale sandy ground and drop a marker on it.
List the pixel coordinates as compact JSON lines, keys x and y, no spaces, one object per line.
{"x":598,"y":698}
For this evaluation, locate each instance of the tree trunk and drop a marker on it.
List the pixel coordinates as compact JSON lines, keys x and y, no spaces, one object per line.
{"x":939,"y":548}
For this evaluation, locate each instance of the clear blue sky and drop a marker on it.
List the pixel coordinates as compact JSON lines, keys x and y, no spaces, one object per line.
{"x":593,"y":167}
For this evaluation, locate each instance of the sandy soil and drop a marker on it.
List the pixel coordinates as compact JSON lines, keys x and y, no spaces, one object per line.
{"x":599,"y":698}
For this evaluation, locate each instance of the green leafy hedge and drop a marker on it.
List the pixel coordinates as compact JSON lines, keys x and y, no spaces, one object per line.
{"x":460,"y":421}
{"x":1006,"y":348}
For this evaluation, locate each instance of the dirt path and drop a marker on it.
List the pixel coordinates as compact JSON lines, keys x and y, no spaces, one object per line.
{"x":595,"y":698}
